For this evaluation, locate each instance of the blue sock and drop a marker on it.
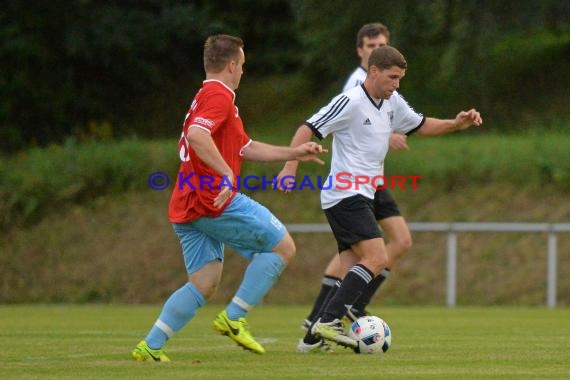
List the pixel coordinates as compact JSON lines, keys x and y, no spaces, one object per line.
{"x":259,"y":277}
{"x":180,"y":308}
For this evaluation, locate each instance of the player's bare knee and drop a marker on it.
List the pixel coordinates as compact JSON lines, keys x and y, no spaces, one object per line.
{"x":206,"y":289}
{"x":286,"y":249}
{"x":207,"y":278}
{"x":403,"y":244}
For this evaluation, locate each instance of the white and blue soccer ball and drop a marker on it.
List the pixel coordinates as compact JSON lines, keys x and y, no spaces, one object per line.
{"x":372,"y":334}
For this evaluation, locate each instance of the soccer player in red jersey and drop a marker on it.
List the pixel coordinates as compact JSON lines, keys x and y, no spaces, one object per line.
{"x":207,"y":212}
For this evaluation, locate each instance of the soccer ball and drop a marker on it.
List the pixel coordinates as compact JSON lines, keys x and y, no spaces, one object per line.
{"x":372,"y":334}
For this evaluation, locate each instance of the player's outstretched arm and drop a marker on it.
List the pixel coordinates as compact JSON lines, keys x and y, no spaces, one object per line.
{"x":463,"y":120}
{"x":262,"y":152}
{"x":286,"y":177}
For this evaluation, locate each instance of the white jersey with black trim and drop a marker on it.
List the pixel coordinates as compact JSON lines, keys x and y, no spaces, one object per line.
{"x":361,"y":130}
{"x":355,"y":79}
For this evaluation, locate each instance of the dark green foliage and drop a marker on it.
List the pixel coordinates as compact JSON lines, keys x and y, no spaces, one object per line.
{"x":528,"y":72}
{"x":66,"y":63}
{"x":41,"y":180}
{"x":455,"y":51}
{"x":66,"y":66}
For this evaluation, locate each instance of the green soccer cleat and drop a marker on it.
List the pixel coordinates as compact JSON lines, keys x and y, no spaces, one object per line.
{"x":238,"y":331}
{"x":142,"y":353}
{"x":333,"y":331}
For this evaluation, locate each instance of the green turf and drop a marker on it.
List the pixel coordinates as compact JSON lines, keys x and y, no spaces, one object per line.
{"x":88,"y":342}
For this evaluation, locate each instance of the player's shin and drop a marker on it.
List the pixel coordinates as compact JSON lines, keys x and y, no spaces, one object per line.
{"x":260,"y":276}
{"x":354,"y":283}
{"x":180,"y":308}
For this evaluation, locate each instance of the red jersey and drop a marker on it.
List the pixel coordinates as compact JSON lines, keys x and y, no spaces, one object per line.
{"x":197,"y":185}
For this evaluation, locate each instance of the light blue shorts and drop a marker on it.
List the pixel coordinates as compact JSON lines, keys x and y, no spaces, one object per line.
{"x":245,"y":226}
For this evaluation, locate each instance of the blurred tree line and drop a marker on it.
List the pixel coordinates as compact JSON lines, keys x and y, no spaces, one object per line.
{"x":104,"y":68}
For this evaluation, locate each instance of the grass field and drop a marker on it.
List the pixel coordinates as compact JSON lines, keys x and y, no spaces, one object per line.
{"x":94,"y":342}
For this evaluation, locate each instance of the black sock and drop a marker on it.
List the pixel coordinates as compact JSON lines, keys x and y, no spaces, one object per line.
{"x":370,"y":290}
{"x":310,"y":338}
{"x":326,"y":285}
{"x":354,"y":283}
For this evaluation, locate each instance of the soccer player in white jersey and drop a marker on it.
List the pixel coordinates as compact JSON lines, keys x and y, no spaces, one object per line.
{"x":361,"y":121}
{"x":393,"y":225}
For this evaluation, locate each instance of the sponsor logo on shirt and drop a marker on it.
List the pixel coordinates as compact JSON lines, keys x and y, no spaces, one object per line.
{"x":205,"y":122}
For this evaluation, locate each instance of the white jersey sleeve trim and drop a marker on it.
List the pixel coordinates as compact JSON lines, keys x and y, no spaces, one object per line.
{"x":245,"y":146}
{"x":406,"y":120}
{"x":201,"y":127}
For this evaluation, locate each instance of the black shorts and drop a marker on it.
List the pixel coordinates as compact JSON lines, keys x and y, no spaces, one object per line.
{"x":352,"y":220}
{"x":384,"y":205}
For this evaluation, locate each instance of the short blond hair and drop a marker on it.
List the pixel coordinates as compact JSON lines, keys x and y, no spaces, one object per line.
{"x":219,"y":50}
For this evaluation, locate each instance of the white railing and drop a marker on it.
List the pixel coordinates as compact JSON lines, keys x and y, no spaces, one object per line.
{"x":452,"y":229}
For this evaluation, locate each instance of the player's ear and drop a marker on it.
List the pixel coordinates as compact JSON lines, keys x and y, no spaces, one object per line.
{"x":373,"y":70}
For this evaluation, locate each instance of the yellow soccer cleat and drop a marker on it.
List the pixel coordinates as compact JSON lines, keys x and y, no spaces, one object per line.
{"x":238,"y":331}
{"x":143,"y":353}
{"x":333,"y":331}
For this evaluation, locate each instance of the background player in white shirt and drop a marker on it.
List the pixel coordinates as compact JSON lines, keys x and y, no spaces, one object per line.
{"x":361,"y":121}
